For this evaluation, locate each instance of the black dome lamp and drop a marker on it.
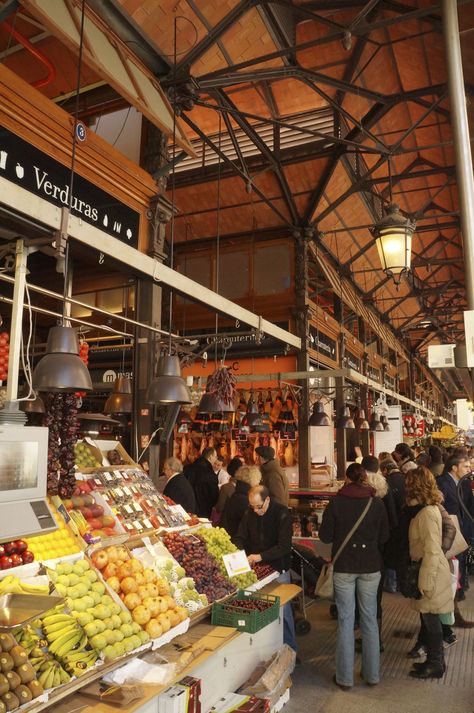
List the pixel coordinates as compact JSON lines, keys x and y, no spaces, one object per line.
{"x":120,"y":400}
{"x":361,"y":422}
{"x":345,"y":420}
{"x":169,"y":386}
{"x":61,"y":369}
{"x":375,"y":424}
{"x":319,"y":417}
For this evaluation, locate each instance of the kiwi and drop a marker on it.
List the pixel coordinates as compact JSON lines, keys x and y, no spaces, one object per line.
{"x":26,"y":672}
{"x":10,"y":700}
{"x":4,"y":685}
{"x":3,"y":708}
{"x":13,"y":679}
{"x":35,"y":687}
{"x":23,"y":694}
{"x":18,"y":655}
{"x":7,"y":642}
{"x":6,"y":662}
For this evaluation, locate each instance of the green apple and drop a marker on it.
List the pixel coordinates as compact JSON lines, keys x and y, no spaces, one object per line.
{"x":144,"y":636}
{"x":89,"y":601}
{"x":101,"y":611}
{"x":63,"y":579}
{"x":100,"y":626}
{"x":77,"y":569}
{"x":61,"y":589}
{"x":136,"y":628}
{"x":91,"y":575}
{"x":118,"y":635}
{"x":84,"y":565}
{"x":98,"y":587}
{"x":73,"y":579}
{"x":125,"y":616}
{"x":137,"y":640}
{"x":120,"y":648}
{"x":128,"y":644}
{"x":110,"y":636}
{"x":116,"y":621}
{"x":126,"y":629}
{"x":110,"y":652}
{"x":84,"y":618}
{"x":95,"y":596}
{"x":79,"y":605}
{"x":115,"y":608}
{"x":91,"y":629}
{"x":64,"y":568}
{"x":107,"y":600}
{"x":99,"y":642}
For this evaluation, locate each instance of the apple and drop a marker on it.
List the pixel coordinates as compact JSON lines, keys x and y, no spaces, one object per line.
{"x":109,"y":531}
{"x":165,"y":622}
{"x":128,"y":585}
{"x":110,"y":570}
{"x":108,"y":521}
{"x":122,"y":554}
{"x":5,"y":562}
{"x":20,"y":546}
{"x":27,"y":557}
{"x":131,"y":600}
{"x":100,"y":559}
{"x":9,"y":548}
{"x":68,"y":504}
{"x":16,"y":560}
{"x":141,"y":615}
{"x":114,"y":583}
{"x":154,"y":629}
{"x":86,"y":512}
{"x":125,"y":570}
{"x":112,"y":554}
{"x":174,"y":618}
{"x":95,"y":524}
{"x":97,"y":511}
{"x":137,"y":566}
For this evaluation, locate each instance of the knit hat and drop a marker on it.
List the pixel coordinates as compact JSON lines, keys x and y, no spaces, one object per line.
{"x":267,"y":452}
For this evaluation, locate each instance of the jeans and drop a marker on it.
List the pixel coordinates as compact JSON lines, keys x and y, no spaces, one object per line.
{"x":345,"y":588}
{"x":289,"y":635}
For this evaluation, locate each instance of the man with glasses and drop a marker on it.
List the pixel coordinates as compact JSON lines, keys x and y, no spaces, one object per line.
{"x":265,"y":534}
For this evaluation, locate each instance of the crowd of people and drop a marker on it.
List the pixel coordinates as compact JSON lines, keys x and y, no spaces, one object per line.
{"x":402,"y":518}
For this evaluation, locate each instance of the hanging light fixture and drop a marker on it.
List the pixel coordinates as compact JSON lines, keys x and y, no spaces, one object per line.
{"x":61,"y":369}
{"x":120,"y":400}
{"x":345,"y":419}
{"x":375,"y":424}
{"x":360,"y":421}
{"x":319,"y":417}
{"x":169,"y":387}
{"x":393,"y":237}
{"x":253,"y":420}
{"x":384,"y":422}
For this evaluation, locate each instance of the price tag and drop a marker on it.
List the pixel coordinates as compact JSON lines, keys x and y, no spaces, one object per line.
{"x":108,"y":477}
{"x":236,"y":563}
{"x":119,"y":493}
{"x":98,"y":482}
{"x":118,"y":474}
{"x":137,"y":507}
{"x":179,"y":510}
{"x":137,"y":525}
{"x":128,"y":509}
{"x":127,"y":491}
{"x":147,"y":524}
{"x":241,"y":622}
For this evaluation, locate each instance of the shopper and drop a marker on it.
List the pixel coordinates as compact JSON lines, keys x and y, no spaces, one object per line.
{"x":436,"y":460}
{"x":273,"y":475}
{"x":434,"y":579}
{"x":404,"y":457}
{"x":177,"y":486}
{"x":223,"y":476}
{"x":226,"y":490}
{"x":236,"y":506}
{"x":454,"y":489}
{"x":385,"y":455}
{"x":356,"y":571}
{"x":203,"y":481}
{"x":265,"y":534}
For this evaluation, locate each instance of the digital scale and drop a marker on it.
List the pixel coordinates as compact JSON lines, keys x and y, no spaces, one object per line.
{"x":24,"y":510}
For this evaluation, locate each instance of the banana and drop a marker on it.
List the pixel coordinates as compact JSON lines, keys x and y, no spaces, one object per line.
{"x":61,"y":646}
{"x":34,"y":588}
{"x":55,"y":618}
{"x":52,"y":637}
{"x":38,"y":662}
{"x":64,"y":677}
{"x":78,"y":655}
{"x":47,"y":676}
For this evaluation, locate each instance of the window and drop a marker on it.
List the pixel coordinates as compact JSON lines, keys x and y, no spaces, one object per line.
{"x":272,"y":270}
{"x":234,"y":274}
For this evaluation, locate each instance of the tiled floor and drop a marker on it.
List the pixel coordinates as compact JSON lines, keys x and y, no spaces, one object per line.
{"x":314,"y":692}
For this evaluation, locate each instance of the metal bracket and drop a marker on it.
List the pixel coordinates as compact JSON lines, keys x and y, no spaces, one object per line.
{"x":61,"y":237}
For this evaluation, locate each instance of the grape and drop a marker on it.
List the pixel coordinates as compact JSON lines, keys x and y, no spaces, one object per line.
{"x":63,"y":426}
{"x":218,"y":543}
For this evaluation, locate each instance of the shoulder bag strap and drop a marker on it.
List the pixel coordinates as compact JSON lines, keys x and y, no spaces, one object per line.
{"x":349,"y":535}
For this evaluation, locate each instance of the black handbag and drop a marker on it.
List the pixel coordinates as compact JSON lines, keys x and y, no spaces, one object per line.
{"x":409,"y":581}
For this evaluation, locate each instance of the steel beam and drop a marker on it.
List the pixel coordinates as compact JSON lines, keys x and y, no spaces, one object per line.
{"x":95,"y":239}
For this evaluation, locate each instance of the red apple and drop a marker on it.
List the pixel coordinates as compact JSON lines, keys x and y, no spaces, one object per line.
{"x":17,"y":560}
{"x":87,"y":513}
{"x":95,"y":524}
{"x":20,"y":546}
{"x":68,"y":504}
{"x":2,"y":550}
{"x":97,"y":511}
{"x":99,"y":559}
{"x":27,"y":557}
{"x":9,"y":548}
{"x":110,"y":570}
{"x":6,"y":562}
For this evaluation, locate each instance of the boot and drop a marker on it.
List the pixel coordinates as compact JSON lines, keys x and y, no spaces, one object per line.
{"x":434,"y":666}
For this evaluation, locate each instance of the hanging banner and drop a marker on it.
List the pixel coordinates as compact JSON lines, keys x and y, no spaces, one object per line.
{"x":35,"y":171}
{"x":323,"y":344}
{"x":352,"y":361}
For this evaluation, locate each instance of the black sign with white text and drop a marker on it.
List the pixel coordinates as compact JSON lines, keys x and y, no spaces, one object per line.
{"x":321,"y":343}
{"x":35,"y":171}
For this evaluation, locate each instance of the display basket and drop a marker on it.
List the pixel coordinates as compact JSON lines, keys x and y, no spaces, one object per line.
{"x":248,"y":620}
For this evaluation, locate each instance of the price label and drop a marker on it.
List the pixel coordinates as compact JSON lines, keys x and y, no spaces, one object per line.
{"x":147,"y":524}
{"x":128,"y":509}
{"x":127,"y":491}
{"x":137,"y":507}
{"x":236,"y":563}
{"x":241,"y":622}
{"x":137,"y":525}
{"x":98,"y":482}
{"x":108,"y":477}
{"x":118,"y":474}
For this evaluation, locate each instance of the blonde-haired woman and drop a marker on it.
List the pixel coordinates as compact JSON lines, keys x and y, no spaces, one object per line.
{"x":434,"y":580}
{"x":246,"y":477}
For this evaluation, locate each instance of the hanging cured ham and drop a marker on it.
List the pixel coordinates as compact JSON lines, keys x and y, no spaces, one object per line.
{"x":288,"y":457}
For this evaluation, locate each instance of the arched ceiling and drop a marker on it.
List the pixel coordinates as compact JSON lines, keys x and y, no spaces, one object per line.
{"x":318,"y":110}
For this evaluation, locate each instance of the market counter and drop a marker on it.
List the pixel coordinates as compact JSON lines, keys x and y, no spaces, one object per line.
{"x":227,"y":658}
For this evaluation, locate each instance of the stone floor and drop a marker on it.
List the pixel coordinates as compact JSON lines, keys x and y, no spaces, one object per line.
{"x":314,"y":692}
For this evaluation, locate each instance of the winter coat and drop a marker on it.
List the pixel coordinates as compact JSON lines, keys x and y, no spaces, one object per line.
{"x":450,"y":488}
{"x":363,"y":552}
{"x":235,"y":508}
{"x":179,"y":489}
{"x":268,"y":535}
{"x":225,"y":492}
{"x":274,"y":478}
{"x":203,"y":480}
{"x":434,"y":580}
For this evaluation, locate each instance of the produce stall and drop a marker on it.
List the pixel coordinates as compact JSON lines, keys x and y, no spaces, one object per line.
{"x":126,"y":572}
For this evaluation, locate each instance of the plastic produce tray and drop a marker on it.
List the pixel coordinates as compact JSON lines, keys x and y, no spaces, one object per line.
{"x":248,"y":620}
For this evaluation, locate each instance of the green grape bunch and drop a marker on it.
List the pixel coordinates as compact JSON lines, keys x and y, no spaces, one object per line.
{"x":218,"y":543}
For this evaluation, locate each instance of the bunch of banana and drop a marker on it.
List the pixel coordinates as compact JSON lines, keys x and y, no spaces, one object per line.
{"x":77,"y":662}
{"x":28,"y":638}
{"x":38,"y":658}
{"x":13,"y":585}
{"x":64,"y":637}
{"x":52,"y":674}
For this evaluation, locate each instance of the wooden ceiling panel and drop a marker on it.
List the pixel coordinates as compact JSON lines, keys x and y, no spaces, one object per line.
{"x":303,"y":177}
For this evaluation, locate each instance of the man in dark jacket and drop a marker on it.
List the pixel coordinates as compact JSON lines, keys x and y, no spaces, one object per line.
{"x":203,"y":481}
{"x":265,"y":534}
{"x":177,"y":486}
{"x":273,"y":475}
{"x":453,"y":487}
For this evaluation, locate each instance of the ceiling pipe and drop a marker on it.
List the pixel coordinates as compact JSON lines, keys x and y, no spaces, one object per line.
{"x":51,"y":76}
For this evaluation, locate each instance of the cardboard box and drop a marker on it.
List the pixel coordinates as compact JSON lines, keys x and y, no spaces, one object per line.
{"x":236,"y":703}
{"x":183,"y":697}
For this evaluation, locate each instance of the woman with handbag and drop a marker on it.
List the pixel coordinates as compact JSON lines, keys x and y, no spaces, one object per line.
{"x":435,"y":599}
{"x":356,"y":523}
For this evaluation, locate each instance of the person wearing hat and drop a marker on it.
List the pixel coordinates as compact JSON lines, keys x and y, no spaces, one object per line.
{"x":273,"y":475}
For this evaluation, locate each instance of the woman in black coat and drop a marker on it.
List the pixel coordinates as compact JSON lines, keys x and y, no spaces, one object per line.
{"x":356,"y":571}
